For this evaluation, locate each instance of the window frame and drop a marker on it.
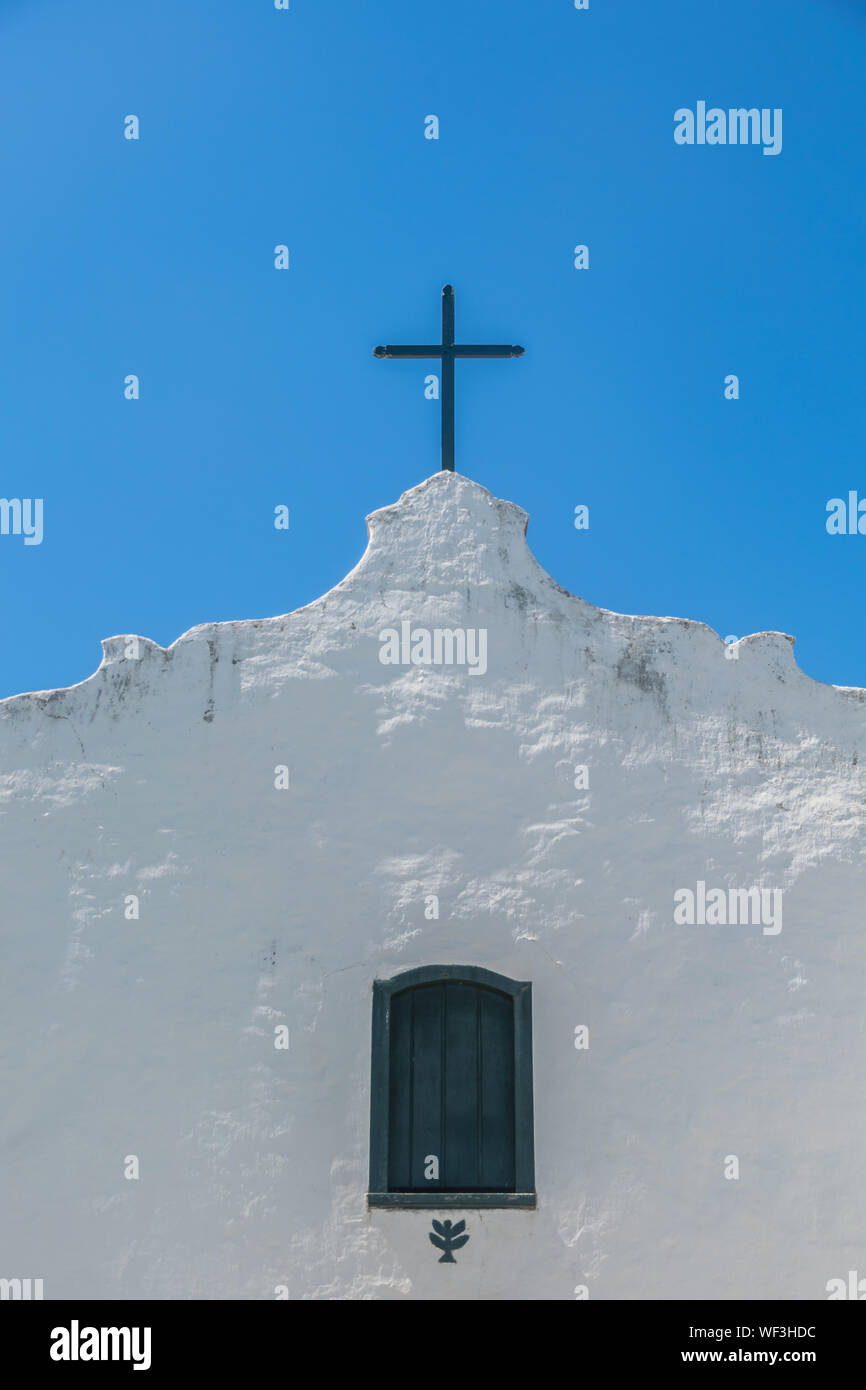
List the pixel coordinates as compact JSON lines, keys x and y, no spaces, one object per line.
{"x":520,"y":992}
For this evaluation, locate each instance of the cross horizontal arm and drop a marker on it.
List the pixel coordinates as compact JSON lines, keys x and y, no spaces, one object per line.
{"x":486,"y":350}
{"x":458,"y":350}
{"x":413,"y":350}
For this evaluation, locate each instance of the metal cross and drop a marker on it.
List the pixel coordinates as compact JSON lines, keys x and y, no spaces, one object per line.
{"x":448,"y":350}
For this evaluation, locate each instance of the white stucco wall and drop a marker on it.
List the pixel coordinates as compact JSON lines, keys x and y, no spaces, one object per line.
{"x":259,"y":906}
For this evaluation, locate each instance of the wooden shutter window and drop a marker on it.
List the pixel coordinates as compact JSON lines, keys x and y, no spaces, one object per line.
{"x":451,"y":1110}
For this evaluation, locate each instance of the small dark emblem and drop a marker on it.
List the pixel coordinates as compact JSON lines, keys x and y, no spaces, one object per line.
{"x":448,"y":1237}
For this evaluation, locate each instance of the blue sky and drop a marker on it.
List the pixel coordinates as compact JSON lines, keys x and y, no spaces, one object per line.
{"x":258,"y":387}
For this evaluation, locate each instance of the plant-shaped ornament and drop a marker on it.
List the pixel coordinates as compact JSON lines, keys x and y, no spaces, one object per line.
{"x":449,"y":1237}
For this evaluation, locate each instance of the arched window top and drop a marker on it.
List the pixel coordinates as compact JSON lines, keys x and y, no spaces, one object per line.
{"x":459,"y":974}
{"x":451,"y":1094}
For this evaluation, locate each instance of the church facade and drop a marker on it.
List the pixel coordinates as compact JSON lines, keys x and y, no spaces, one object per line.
{"x":448,"y":938}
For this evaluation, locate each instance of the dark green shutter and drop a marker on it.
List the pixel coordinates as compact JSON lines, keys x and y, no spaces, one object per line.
{"x":452,"y":1088}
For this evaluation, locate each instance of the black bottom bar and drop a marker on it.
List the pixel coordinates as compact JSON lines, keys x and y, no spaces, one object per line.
{"x":218,"y":1338}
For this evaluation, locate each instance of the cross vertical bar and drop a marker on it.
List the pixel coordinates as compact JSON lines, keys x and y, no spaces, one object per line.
{"x":448,"y":378}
